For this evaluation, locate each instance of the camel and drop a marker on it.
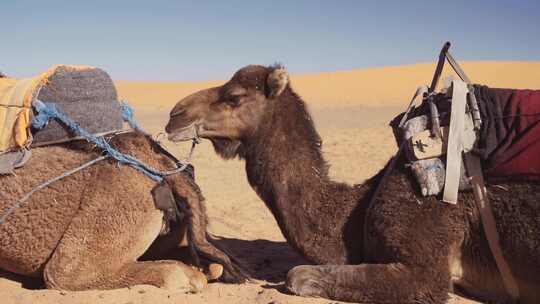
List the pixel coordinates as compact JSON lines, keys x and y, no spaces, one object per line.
{"x":400,"y":248}
{"x":88,"y":230}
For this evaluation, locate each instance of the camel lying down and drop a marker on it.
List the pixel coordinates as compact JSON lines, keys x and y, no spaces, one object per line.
{"x":88,"y":230}
{"x":404,"y":248}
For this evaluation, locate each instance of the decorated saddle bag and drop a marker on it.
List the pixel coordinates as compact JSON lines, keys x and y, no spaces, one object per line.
{"x":426,"y":147}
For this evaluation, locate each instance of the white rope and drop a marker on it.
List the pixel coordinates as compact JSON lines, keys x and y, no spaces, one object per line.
{"x":25,"y":198}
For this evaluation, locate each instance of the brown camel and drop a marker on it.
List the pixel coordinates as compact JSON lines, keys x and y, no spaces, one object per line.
{"x":404,"y":248}
{"x":88,"y":230}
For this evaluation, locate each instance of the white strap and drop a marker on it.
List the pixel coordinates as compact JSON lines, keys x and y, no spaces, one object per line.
{"x":455,"y":142}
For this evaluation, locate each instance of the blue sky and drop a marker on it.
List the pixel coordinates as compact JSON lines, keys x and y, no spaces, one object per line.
{"x":185,"y":40}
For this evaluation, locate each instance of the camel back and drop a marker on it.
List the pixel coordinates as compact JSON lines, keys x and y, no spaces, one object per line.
{"x":86,"y":94}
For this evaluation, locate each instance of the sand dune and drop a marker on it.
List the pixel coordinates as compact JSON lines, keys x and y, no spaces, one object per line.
{"x":351,"y":110}
{"x":387,"y":86}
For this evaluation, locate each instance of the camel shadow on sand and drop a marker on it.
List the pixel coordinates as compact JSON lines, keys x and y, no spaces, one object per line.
{"x":26,"y":282}
{"x":263,"y":259}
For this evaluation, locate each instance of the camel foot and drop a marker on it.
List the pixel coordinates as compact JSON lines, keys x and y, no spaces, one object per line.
{"x":179,"y":277}
{"x":214,"y":271}
{"x":305,"y":281}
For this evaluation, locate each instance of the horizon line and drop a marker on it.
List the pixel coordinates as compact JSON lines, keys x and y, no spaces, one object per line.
{"x":328,"y":72}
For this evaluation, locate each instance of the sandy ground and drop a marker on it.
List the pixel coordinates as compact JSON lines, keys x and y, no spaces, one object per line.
{"x":350,"y":109}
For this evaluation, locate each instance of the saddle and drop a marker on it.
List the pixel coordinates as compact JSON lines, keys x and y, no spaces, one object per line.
{"x":86,"y":94}
{"x":500,"y":127}
{"x":464,"y":133}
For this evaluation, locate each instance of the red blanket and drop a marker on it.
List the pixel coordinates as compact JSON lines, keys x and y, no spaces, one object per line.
{"x":510,"y":134}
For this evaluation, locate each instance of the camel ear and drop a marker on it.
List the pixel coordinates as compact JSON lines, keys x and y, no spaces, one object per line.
{"x":277,"y":82}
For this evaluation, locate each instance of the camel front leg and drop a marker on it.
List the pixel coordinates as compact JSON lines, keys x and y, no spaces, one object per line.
{"x":100,"y":248}
{"x":187,"y":191}
{"x":370,"y":283}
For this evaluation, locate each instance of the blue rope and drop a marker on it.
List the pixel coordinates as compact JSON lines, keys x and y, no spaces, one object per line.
{"x":48,"y":111}
{"x":127,"y":115}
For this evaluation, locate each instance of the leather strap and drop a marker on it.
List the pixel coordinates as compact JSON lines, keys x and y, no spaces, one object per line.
{"x":435,"y":122}
{"x":474,"y":169}
{"x":488,"y":222}
{"x":457,"y":68}
{"x":439,"y":68}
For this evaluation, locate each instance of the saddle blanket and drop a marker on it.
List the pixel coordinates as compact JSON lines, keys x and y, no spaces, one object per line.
{"x":509,"y":140}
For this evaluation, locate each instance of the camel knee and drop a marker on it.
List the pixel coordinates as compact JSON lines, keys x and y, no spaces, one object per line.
{"x":60,"y":276}
{"x":64,"y":278}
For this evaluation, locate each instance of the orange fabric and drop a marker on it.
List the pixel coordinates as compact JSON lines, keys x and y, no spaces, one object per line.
{"x":15,"y":105}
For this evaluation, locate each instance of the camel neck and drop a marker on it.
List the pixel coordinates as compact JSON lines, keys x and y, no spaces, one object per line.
{"x":320,"y":218}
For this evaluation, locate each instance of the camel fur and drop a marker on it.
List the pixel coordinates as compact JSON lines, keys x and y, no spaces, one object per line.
{"x":402,"y":248}
{"x":88,"y":230}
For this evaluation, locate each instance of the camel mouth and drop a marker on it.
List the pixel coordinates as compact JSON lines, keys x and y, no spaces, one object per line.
{"x":184,"y":134}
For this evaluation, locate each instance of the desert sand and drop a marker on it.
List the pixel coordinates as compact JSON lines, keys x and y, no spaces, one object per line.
{"x":351,"y":110}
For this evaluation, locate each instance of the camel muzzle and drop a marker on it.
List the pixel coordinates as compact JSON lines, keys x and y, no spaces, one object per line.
{"x":184,"y":134}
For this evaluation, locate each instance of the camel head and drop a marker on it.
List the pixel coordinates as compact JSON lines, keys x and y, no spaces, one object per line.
{"x":229,"y":114}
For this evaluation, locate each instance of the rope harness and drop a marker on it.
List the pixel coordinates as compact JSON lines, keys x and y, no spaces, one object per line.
{"x":48,"y":111}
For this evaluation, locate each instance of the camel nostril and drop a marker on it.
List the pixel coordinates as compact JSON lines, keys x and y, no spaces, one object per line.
{"x":177,"y":112}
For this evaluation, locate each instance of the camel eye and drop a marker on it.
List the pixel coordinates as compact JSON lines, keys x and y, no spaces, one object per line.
{"x":234,"y":95}
{"x":235,"y":99}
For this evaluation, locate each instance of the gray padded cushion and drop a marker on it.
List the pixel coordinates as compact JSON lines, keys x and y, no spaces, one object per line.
{"x":86,"y":96}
